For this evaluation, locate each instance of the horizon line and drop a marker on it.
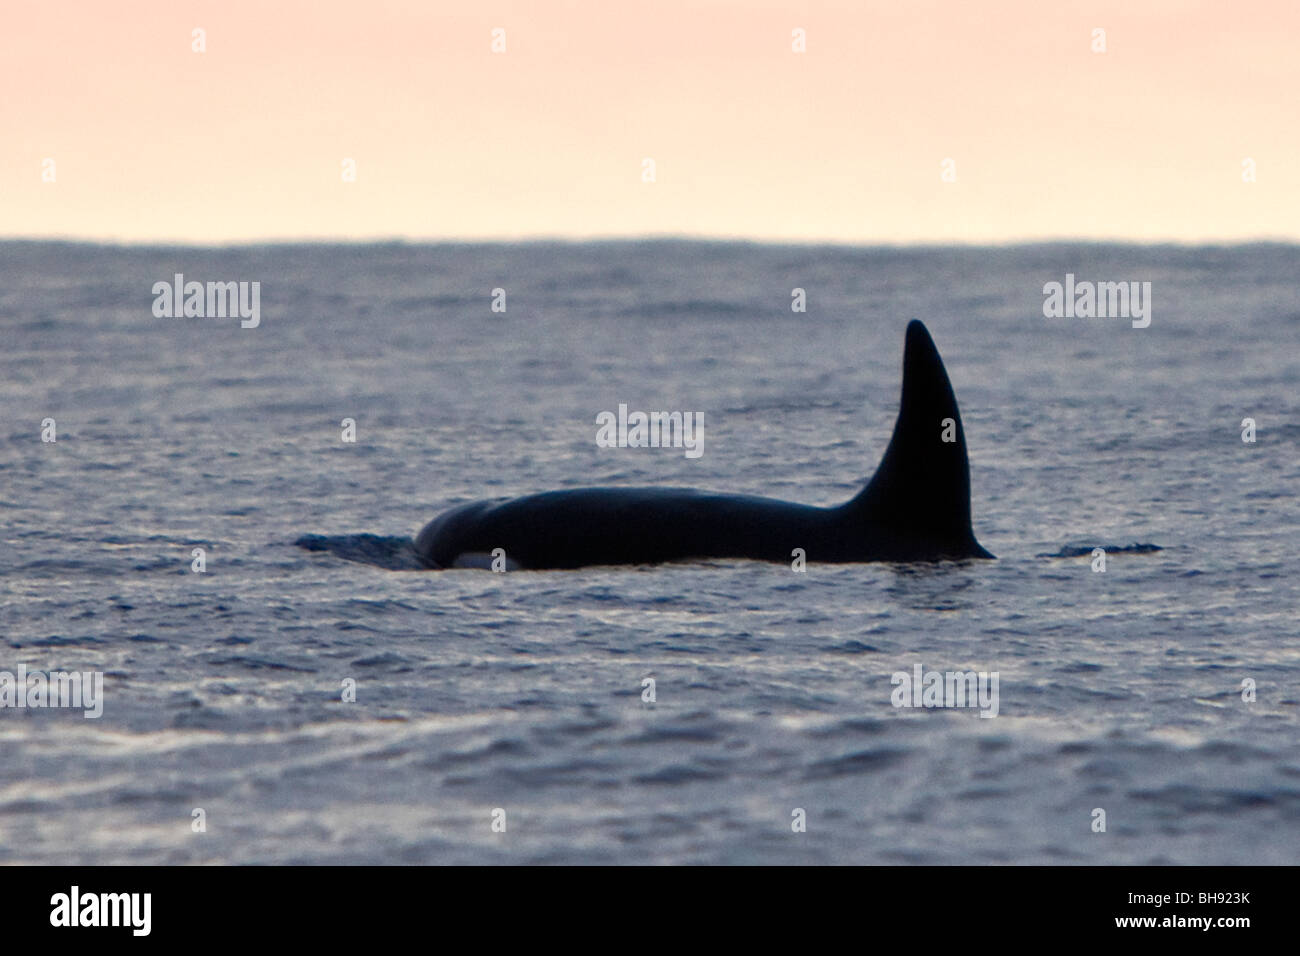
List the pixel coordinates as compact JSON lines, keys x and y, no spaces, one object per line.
{"x":632,"y":238}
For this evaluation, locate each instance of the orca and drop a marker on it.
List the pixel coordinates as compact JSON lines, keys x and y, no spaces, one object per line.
{"x":915,"y":508}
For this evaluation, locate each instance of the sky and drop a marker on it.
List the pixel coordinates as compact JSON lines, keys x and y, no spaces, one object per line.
{"x":899,"y":122}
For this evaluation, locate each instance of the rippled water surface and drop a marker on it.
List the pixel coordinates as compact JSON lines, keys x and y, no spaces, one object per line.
{"x":523,"y":691}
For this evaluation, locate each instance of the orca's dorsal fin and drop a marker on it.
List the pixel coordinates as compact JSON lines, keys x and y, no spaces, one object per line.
{"x":921,"y":490}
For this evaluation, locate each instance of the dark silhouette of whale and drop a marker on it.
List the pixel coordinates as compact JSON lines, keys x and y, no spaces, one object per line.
{"x":915,"y":508}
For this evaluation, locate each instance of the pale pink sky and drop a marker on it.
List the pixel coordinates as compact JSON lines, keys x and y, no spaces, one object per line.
{"x":844,"y":142}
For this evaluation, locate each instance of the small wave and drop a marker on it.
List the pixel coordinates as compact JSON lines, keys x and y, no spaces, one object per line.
{"x":853,"y":764}
{"x":689,"y":307}
{"x":1079,"y":550}
{"x":393,"y":553}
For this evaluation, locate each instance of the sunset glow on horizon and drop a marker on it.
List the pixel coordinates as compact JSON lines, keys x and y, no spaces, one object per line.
{"x":895,"y":122}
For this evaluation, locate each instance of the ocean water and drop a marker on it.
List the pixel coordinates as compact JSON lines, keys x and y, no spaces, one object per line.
{"x":522,"y":692}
